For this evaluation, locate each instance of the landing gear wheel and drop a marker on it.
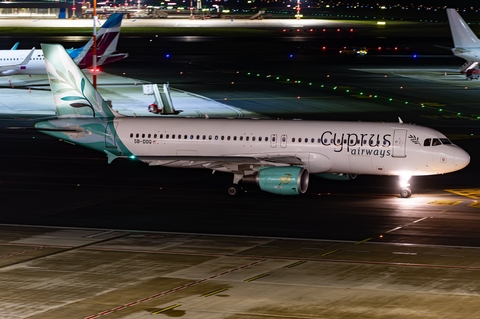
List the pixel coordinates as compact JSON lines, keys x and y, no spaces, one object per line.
{"x":234,"y":190}
{"x":406,"y":192}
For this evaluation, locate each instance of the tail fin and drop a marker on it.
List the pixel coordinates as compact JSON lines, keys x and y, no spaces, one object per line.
{"x":463,"y":36}
{"x":73,"y":94}
{"x":107,"y":40}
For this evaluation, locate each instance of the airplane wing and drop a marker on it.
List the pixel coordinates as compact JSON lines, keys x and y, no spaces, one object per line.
{"x":231,"y":163}
{"x":13,"y":66}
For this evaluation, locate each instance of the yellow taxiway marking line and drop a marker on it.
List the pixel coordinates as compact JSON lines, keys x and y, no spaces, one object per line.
{"x":295,"y":264}
{"x":166,"y":309}
{"x":256,"y":277}
{"x":475,"y":204}
{"x":473,"y":193}
{"x":362,"y":241}
{"x":444,"y":202}
{"x":330,"y":252}
{"x":208,"y":294}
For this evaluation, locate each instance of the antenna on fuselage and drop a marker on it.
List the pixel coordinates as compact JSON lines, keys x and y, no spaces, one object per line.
{"x":400,"y":120}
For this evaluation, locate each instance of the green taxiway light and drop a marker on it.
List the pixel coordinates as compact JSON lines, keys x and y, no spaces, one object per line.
{"x":288,"y":80}
{"x":334,"y":87}
{"x":459,"y":113}
{"x":375,"y":96}
{"x":278,"y":78}
{"x":390,"y":99}
{"x":310,"y":83}
{"x":348,"y":91}
{"x":322,"y":86}
{"x":248,"y":73}
{"x":440,"y":110}
{"x":258,"y":74}
{"x":406,"y":102}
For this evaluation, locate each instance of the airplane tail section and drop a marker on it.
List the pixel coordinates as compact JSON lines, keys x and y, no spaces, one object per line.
{"x":107,"y":40}
{"x":463,"y":36}
{"x":73,"y":94}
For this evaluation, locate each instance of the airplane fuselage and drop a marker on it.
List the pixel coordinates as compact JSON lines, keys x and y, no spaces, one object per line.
{"x":336,"y":147}
{"x":36,"y":64}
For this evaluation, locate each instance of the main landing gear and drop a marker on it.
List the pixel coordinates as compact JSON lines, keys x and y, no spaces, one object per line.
{"x":405,"y":190}
{"x":236,"y":188}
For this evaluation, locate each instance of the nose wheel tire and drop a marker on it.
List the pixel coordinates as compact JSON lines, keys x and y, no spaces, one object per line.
{"x":406,"y":192}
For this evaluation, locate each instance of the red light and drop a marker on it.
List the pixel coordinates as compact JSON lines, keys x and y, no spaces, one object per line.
{"x":284,"y":30}
{"x":324,"y":48}
{"x":311,"y":30}
{"x":338,"y":30}
{"x":379,"y":48}
{"x":298,"y":30}
{"x":351,"y":30}
{"x":396,"y":48}
{"x":324,"y":30}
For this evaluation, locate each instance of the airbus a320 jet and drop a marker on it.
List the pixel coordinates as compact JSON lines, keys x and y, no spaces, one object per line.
{"x":31,"y":62}
{"x":277,"y":155}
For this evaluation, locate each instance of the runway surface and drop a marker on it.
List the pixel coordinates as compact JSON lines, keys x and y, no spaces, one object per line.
{"x":146,"y":243}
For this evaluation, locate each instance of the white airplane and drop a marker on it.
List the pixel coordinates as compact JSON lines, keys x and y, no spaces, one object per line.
{"x":467,"y":45}
{"x":277,"y":155}
{"x":31,"y":62}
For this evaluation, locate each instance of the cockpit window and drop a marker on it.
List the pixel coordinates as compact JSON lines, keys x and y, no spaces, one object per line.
{"x":427,"y":142}
{"x":436,"y":142}
{"x":445,"y":141}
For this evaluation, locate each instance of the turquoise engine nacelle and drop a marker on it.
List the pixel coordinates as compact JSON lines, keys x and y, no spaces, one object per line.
{"x":285,"y":180}
{"x":337,"y":177}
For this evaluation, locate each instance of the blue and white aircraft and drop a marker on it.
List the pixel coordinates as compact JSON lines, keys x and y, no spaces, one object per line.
{"x":277,"y":155}
{"x":31,"y":62}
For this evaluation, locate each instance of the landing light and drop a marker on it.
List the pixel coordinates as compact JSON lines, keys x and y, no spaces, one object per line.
{"x":404,"y":178}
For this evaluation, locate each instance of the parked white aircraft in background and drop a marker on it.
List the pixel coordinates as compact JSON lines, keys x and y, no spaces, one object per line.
{"x":31,"y":62}
{"x":467,"y":45}
{"x":277,"y":155}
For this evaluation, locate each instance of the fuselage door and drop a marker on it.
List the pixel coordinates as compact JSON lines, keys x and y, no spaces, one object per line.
{"x":283,"y":142}
{"x":399,"y":143}
{"x":273,"y":140}
{"x":110,"y":141}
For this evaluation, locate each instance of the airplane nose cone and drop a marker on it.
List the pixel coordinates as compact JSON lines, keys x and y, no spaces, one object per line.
{"x":461,"y":159}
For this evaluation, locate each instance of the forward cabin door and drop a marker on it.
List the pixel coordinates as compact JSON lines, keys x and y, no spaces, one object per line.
{"x":399,"y":143}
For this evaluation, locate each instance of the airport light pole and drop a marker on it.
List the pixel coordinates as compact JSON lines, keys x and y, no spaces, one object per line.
{"x":94,"y":64}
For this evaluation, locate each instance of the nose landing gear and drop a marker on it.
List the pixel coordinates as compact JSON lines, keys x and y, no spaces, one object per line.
{"x":405,"y":190}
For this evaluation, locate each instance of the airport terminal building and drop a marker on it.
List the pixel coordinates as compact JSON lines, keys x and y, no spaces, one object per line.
{"x":40,"y":9}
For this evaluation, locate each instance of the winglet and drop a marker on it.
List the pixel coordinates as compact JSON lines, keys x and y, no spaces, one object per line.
{"x":27,"y":58}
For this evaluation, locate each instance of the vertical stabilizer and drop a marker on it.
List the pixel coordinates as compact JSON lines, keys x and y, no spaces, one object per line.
{"x":463,"y":36}
{"x":73,"y":94}
{"x":107,"y":40}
